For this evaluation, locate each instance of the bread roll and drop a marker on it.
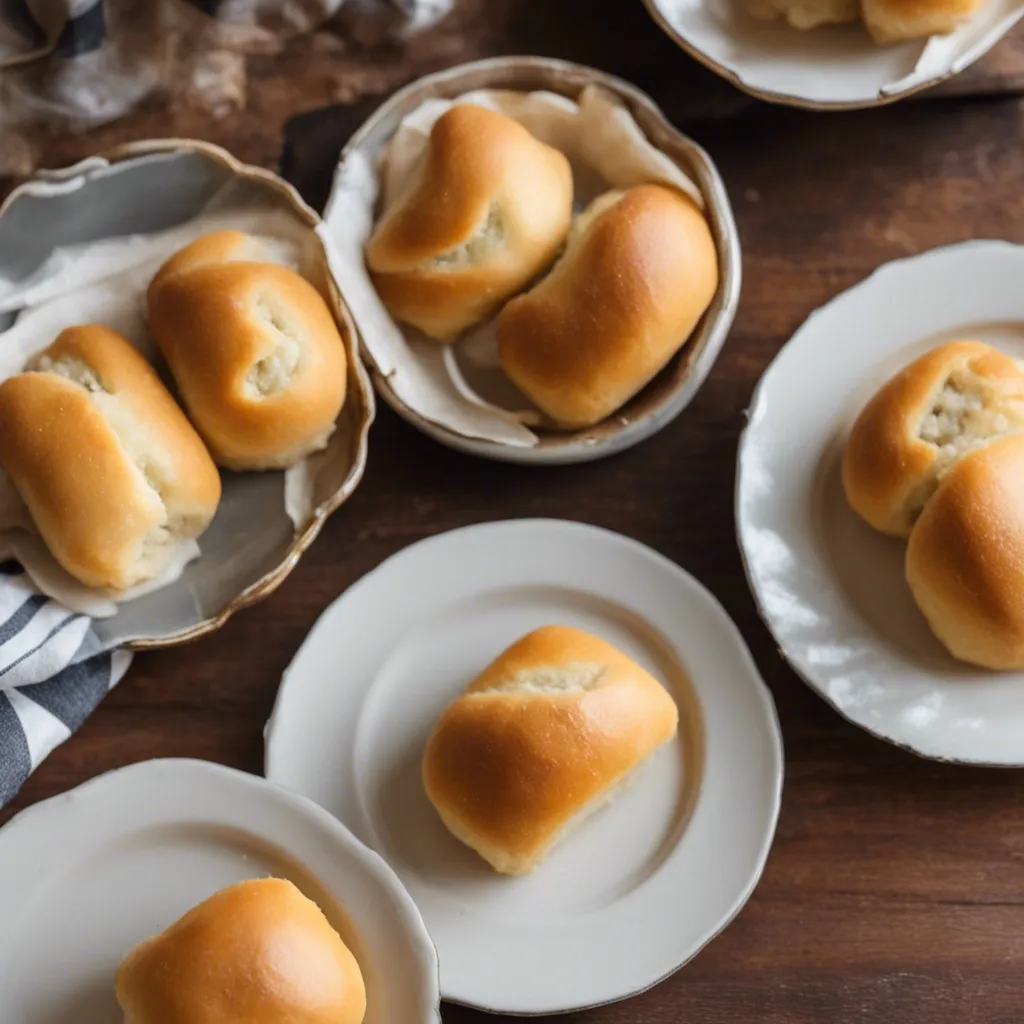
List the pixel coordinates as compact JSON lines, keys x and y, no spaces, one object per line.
{"x":253,"y":348}
{"x":110,"y":469}
{"x":805,"y":14}
{"x":638,"y":273}
{"x":539,"y":740}
{"x":255,"y":953}
{"x":486,"y":212}
{"x":965,"y":559}
{"x":947,"y":402}
{"x":891,"y":21}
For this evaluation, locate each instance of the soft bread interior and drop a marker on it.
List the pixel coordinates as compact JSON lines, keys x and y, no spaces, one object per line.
{"x":570,"y":677}
{"x":157,"y":545}
{"x":275,"y":372}
{"x":967,"y":412}
{"x":482,"y":244}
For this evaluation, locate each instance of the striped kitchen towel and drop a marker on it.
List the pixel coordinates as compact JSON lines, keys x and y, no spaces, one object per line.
{"x":53,"y":673}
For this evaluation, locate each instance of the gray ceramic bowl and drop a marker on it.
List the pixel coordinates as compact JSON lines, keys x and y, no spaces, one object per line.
{"x":673,"y":389}
{"x":252,"y":545}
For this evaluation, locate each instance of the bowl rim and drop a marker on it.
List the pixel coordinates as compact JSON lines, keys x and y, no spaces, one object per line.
{"x":302,"y":538}
{"x":568,"y":78}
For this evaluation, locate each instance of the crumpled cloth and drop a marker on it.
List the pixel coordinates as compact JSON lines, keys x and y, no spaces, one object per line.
{"x":74,"y":64}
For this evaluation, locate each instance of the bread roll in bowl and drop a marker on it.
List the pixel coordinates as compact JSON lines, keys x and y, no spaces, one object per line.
{"x":113,"y":474}
{"x":945,"y":403}
{"x":965,"y":559}
{"x":256,"y":953}
{"x":540,"y":739}
{"x":253,"y":348}
{"x":488,"y":210}
{"x":892,"y":21}
{"x":638,"y":273}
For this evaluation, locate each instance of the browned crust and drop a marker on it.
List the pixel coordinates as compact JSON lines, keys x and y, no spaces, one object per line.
{"x":885,"y":461}
{"x":88,"y":499}
{"x":255,"y":953}
{"x":625,"y":297}
{"x":477,"y":161}
{"x":965,"y":559}
{"x":202,"y":315}
{"x":512,"y":767}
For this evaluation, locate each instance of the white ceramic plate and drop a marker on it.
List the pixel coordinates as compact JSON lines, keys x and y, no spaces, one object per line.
{"x":830,"y":588}
{"x":639,"y":888}
{"x":837,"y":66}
{"x":87,"y":875}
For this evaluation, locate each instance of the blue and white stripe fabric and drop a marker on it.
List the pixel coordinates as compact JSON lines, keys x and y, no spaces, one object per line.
{"x":53,"y":673}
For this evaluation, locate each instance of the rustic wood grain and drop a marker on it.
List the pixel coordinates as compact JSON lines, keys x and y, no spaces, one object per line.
{"x":895,"y":890}
{"x":335,"y":66}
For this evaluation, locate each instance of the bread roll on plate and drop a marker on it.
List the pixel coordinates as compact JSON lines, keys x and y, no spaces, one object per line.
{"x":486,"y":212}
{"x":256,"y":953}
{"x":253,"y":348}
{"x":542,"y":738}
{"x":638,"y":273}
{"x":805,"y":14}
{"x":110,"y":469}
{"x":965,"y":559}
{"x":892,"y":21}
{"x":945,"y":403}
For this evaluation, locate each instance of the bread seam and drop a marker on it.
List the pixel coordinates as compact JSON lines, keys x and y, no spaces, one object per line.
{"x":167,"y":532}
{"x":582,"y":677}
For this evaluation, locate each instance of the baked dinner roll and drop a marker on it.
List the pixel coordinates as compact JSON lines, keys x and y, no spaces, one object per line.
{"x":947,"y":402}
{"x":638,"y":273}
{"x":253,"y":348}
{"x":110,"y":469}
{"x":486,"y":212}
{"x":255,"y":953}
{"x":544,"y":736}
{"x":805,"y":14}
{"x":890,"y":21}
{"x":965,"y":559}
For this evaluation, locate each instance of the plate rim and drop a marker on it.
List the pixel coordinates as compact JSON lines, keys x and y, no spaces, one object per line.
{"x":788,"y":99}
{"x":405,"y":907}
{"x":760,"y":690}
{"x":751,"y":413}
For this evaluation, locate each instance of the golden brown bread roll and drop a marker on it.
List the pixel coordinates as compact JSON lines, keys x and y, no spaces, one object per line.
{"x":253,"y":348}
{"x":486,"y":212}
{"x":256,"y":953}
{"x":539,"y":740}
{"x":945,"y":403}
{"x":891,"y":21}
{"x":110,"y":469}
{"x":965,"y":559}
{"x":638,"y":273}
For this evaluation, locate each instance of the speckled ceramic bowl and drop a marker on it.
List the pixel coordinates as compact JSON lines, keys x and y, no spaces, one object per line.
{"x":674,"y":388}
{"x":252,"y":544}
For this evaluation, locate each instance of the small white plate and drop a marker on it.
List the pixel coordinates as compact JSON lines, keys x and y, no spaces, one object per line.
{"x":639,"y":888}
{"x":828,"y":68}
{"x":86,"y":875}
{"x":830,"y":588}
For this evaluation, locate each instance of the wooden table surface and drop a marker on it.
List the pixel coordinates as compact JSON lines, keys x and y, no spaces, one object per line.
{"x":895,"y":887}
